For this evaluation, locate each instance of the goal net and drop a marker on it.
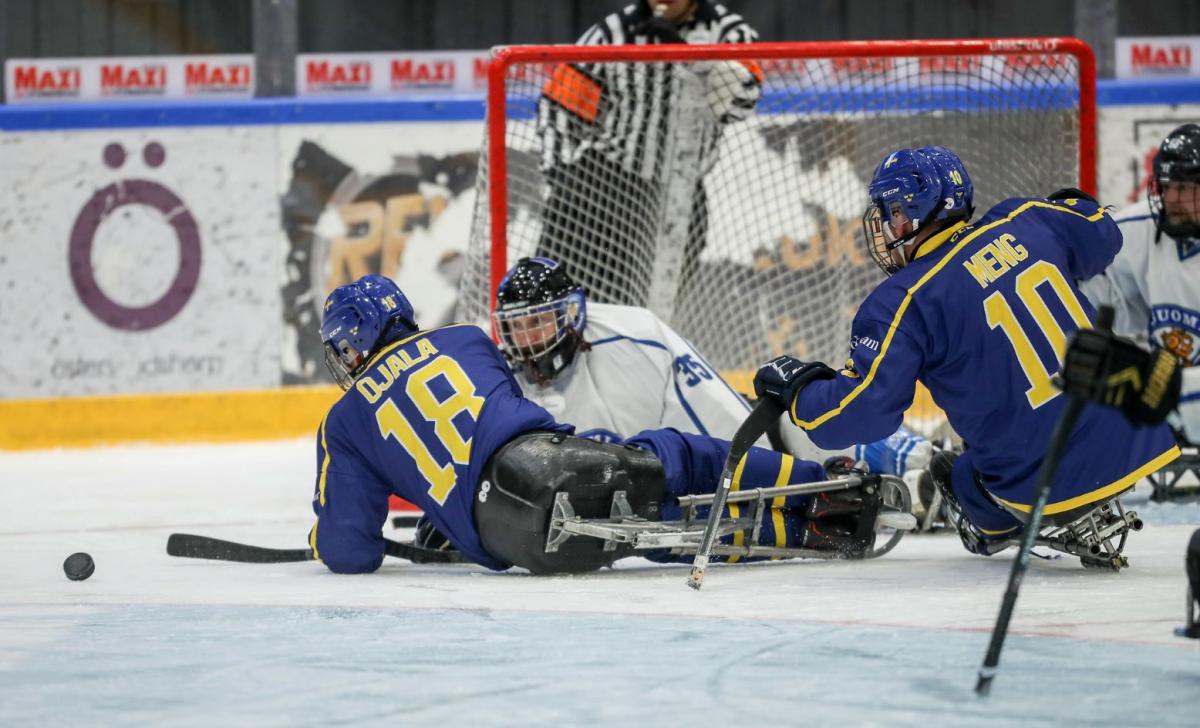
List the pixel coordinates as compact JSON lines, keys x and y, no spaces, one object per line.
{"x":741,"y":227}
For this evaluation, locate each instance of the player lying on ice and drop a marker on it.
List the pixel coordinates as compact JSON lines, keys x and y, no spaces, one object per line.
{"x":979,"y":313}
{"x":436,"y":418}
{"x":613,"y":371}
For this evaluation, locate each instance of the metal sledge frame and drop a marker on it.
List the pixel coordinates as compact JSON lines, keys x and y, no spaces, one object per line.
{"x":684,"y":536}
{"x":1090,"y":537}
{"x":1166,"y":482}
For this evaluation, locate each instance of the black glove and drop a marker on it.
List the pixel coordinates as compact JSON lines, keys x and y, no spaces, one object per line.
{"x":428,"y":537}
{"x":1068,"y":193}
{"x":1102,"y":367}
{"x":783,"y":377}
{"x":660,"y":28}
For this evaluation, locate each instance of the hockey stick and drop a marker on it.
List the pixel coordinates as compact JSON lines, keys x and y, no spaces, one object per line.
{"x":405,"y":521}
{"x":1054,"y":453}
{"x":765,"y":412}
{"x":190,"y":546}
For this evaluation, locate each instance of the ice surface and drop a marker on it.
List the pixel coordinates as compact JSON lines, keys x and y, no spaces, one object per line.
{"x":155,"y":640}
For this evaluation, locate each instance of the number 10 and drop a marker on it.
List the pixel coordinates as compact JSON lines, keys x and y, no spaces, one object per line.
{"x":1000,"y":314}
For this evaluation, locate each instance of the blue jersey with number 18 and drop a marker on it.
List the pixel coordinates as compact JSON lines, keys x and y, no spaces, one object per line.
{"x":420,"y":422}
{"x":981,"y":317}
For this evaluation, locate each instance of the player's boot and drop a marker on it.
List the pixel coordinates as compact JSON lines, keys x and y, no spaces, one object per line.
{"x":843,"y":520}
{"x":835,"y":503}
{"x":844,"y":537}
{"x":974,"y":540}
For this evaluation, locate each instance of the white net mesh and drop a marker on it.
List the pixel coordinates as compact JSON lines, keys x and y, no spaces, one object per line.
{"x":744,"y":234}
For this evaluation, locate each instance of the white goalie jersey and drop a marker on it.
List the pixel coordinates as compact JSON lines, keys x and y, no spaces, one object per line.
{"x":639,"y":374}
{"x":1154,"y":288}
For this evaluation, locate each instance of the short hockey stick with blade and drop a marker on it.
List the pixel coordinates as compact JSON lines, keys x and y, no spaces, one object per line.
{"x":766,"y":412}
{"x":205,"y":547}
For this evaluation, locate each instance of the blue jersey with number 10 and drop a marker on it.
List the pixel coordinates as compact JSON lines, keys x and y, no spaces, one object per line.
{"x":420,"y":423}
{"x":981,"y":317}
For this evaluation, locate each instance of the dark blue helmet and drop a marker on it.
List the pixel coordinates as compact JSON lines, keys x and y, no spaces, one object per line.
{"x":391,"y":301}
{"x":911,"y":190}
{"x":540,"y":316}
{"x":958,"y":194}
{"x":351,"y":326}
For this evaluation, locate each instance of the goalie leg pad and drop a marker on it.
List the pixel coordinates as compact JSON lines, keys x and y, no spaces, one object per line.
{"x":520,"y":483}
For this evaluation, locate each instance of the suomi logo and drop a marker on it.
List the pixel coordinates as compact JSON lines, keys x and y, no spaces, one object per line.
{"x":1177,"y":330}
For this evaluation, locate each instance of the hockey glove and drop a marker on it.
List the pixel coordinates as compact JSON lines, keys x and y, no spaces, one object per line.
{"x":733,"y":89}
{"x":782,"y":378}
{"x":1102,"y":367}
{"x":660,"y":29}
{"x":428,"y":537}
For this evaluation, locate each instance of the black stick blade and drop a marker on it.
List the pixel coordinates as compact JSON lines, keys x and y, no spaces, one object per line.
{"x":191,"y":546}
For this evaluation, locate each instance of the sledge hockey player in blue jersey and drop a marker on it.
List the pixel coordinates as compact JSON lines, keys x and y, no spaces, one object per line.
{"x":979,"y":313}
{"x":435,"y":417}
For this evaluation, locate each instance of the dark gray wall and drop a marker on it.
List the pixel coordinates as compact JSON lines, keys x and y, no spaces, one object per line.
{"x":37,"y":28}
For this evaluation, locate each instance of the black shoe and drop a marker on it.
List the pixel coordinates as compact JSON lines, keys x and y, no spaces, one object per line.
{"x":835,"y":503}
{"x":838,"y":536}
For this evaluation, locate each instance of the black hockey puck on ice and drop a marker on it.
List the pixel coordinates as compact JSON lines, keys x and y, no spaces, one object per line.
{"x":79,"y":566}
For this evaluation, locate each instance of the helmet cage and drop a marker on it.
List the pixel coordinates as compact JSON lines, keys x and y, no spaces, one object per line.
{"x":344,"y":362}
{"x":351,"y":329}
{"x":880,"y":239}
{"x":515,"y":324}
{"x":1190,"y":190}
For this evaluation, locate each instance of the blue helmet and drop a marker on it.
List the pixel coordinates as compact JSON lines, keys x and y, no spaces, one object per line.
{"x":391,"y":301}
{"x":958,"y":194}
{"x":924,"y":186}
{"x":351,"y":326}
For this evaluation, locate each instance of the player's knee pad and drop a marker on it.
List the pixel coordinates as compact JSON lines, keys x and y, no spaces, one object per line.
{"x":516,"y":497}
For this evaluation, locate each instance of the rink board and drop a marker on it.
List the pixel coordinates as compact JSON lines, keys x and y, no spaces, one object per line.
{"x":204,"y":333}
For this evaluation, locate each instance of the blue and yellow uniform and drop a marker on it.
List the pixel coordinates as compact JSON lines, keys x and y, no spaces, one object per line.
{"x":420,"y":422}
{"x":980,"y":316}
{"x":427,"y":413}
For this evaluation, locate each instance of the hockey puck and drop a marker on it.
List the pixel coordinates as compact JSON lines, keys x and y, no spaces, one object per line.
{"x":79,"y":566}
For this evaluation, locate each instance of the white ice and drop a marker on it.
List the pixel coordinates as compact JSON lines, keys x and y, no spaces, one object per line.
{"x":152,"y":639}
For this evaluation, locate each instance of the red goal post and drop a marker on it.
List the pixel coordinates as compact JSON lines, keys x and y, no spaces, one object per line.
{"x":1020,"y":111}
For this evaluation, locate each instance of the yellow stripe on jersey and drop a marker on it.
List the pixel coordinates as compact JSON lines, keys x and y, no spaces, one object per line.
{"x":324,"y":464}
{"x":908,"y":297}
{"x":739,"y":537}
{"x":312,"y":540}
{"x":785,"y":473}
{"x":1100,"y":493}
{"x":392,"y":347}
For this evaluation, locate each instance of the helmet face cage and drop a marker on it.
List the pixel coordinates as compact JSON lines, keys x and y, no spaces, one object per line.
{"x":350,"y":329}
{"x":880,"y":239}
{"x":343,"y":362}
{"x":1184,"y":194}
{"x":1174,"y":193}
{"x":532,"y":333}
